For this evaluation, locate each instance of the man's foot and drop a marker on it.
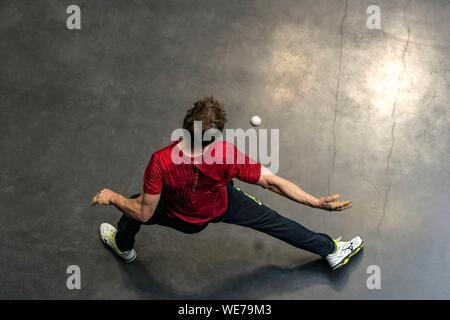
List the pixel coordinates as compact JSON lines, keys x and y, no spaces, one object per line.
{"x":343,"y":252}
{"x":108,"y":237}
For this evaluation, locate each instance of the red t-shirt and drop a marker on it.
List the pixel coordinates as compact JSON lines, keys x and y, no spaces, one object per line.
{"x":196,"y":192}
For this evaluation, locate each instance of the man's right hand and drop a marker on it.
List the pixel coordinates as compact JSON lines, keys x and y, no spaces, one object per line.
{"x":104,"y":197}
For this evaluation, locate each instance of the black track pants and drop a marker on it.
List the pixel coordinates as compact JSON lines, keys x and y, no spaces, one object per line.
{"x":244,"y":210}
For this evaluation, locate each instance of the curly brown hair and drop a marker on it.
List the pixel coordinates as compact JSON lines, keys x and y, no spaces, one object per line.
{"x":209,"y":111}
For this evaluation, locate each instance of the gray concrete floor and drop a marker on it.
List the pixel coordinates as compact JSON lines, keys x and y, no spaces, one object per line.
{"x":361,"y":112}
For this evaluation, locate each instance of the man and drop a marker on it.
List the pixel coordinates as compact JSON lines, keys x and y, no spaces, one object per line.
{"x":187,"y":195}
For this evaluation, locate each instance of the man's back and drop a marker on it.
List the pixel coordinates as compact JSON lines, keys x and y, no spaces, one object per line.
{"x":194,"y":187}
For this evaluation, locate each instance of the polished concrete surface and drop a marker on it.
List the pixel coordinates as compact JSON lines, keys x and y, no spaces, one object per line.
{"x":361,"y":112}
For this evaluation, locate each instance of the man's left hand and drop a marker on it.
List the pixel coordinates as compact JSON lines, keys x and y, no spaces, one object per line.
{"x":331,"y":203}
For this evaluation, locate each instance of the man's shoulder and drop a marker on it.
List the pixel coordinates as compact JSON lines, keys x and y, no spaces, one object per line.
{"x":164,"y":153}
{"x":166,"y":149}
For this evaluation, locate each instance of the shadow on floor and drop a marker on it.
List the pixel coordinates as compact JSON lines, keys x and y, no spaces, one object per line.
{"x":270,"y":281}
{"x":267,"y":281}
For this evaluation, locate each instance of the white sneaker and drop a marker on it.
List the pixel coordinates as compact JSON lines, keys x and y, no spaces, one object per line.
{"x":343,"y":252}
{"x":108,"y":236}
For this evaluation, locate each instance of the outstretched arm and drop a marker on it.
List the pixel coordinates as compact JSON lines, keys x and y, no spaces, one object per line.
{"x":141,"y":208}
{"x":288,"y":189}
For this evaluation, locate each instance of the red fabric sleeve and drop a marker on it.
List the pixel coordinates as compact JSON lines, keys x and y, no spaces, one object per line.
{"x":245,"y":168}
{"x":153,"y":178}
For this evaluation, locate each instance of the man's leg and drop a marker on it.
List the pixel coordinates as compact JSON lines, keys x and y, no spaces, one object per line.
{"x":246,"y":210}
{"x":127,"y":227}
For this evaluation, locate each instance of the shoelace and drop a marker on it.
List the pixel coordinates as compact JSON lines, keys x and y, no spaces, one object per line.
{"x":350,"y":246}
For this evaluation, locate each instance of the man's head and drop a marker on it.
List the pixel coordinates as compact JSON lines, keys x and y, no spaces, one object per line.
{"x":210,"y":112}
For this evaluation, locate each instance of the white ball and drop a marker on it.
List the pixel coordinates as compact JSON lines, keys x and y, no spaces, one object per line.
{"x":255,"y":121}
